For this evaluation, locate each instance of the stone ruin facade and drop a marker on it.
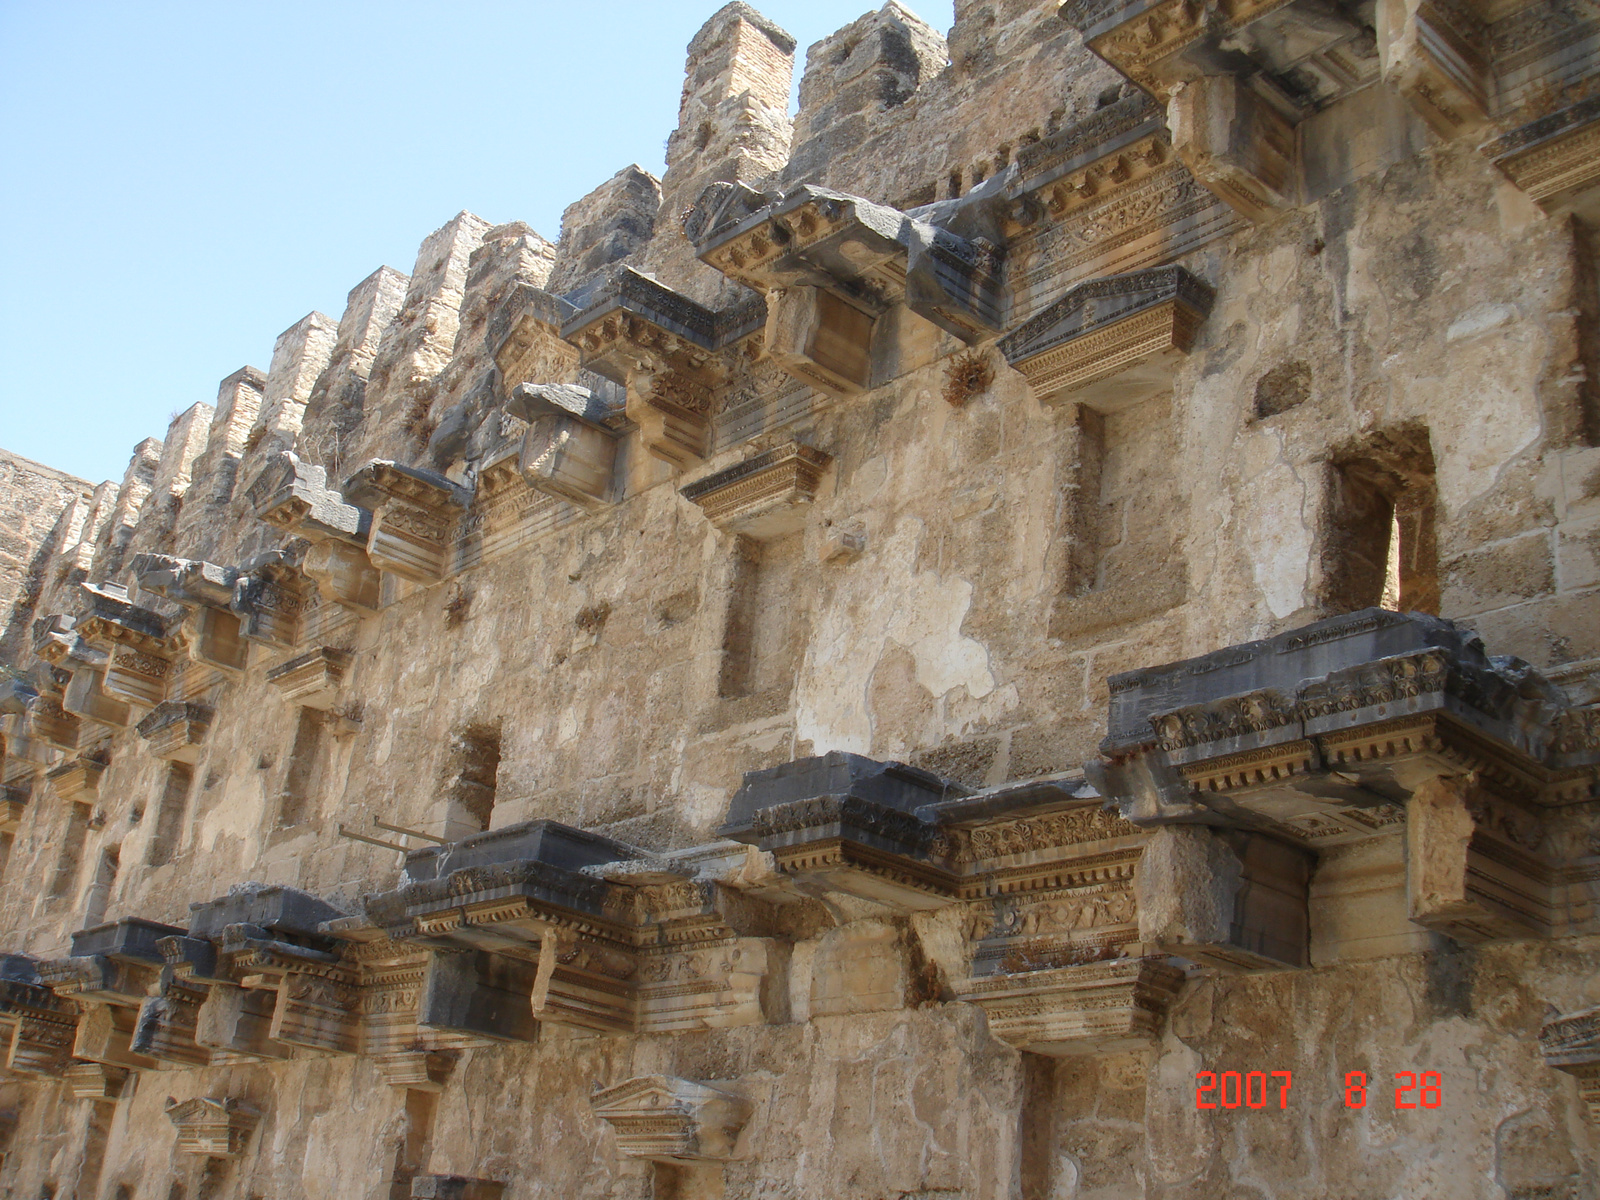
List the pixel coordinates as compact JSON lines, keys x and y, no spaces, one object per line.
{"x":873,"y":665}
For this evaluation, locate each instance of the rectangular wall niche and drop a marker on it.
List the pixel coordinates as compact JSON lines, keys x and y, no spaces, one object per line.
{"x":300,"y":776}
{"x":170,"y":809}
{"x":1380,"y":549}
{"x":472,"y":774}
{"x":760,"y":646}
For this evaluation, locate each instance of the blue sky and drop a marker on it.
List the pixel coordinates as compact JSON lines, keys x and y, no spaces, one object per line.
{"x":179,"y":182}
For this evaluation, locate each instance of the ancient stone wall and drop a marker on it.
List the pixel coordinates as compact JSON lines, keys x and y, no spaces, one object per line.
{"x":866,"y":667}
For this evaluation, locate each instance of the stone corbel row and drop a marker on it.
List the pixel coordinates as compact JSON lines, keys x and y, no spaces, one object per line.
{"x":1236,"y":83}
{"x":670,"y":353}
{"x":831,"y":265}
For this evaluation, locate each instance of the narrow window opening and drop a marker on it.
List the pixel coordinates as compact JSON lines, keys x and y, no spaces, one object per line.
{"x":955,"y":184}
{"x":414,"y":1143}
{"x":759,"y":646}
{"x":170,"y":812}
{"x":300,"y":775}
{"x":98,"y":897}
{"x":472,"y":772}
{"x":7,"y":841}
{"x":1380,"y":545}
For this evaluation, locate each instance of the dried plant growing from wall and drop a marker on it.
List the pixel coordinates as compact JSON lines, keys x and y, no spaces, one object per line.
{"x":970,"y":375}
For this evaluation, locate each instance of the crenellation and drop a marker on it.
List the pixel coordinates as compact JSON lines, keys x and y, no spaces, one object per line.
{"x":871,"y":664}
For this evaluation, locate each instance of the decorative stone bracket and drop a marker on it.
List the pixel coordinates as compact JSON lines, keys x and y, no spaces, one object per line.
{"x":312,"y":679}
{"x":414,"y":516}
{"x":664,"y":1119}
{"x":1235,"y":80}
{"x":77,"y":779}
{"x":766,"y":495}
{"x":136,"y":640}
{"x":668,"y":351}
{"x":176,"y":729}
{"x":1112,"y":342}
{"x":212,"y":1128}
{"x":36,"y":1028}
{"x":830,"y":264}
{"x":294,"y":496}
{"x":1554,"y":159}
{"x":570,"y":447}
{"x":211,"y":629}
{"x":524,"y":338}
{"x":1571,"y":1043}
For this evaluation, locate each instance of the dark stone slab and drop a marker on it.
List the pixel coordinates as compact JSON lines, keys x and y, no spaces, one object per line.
{"x":889,"y":785}
{"x":131,"y":939}
{"x":547,"y":842}
{"x":280,"y":909}
{"x":480,"y":994}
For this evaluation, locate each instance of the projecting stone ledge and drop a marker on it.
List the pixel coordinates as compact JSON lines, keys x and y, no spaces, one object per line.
{"x":663,"y":1119}
{"x":570,"y":448}
{"x":766,"y":495}
{"x":312,"y":680}
{"x":1556,"y":159}
{"x":1112,"y":342}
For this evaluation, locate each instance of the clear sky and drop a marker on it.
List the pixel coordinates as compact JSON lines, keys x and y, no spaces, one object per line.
{"x":180,"y":182}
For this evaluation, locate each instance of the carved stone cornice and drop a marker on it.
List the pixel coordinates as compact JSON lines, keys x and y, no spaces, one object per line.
{"x":175,"y":730}
{"x":664,"y":1119}
{"x":294,"y":496}
{"x":189,"y":582}
{"x":97,"y":1082}
{"x":668,"y":351}
{"x":1089,"y":1007}
{"x":312,"y":679}
{"x":1571,"y":1043}
{"x":212,"y":1128}
{"x":414,"y":516}
{"x":1555,"y":158}
{"x":1111,"y":342}
{"x":1090,"y":161}
{"x":40,"y":1026}
{"x":524,"y":337}
{"x":53,"y":725}
{"x":869,"y":255}
{"x":764,"y":496}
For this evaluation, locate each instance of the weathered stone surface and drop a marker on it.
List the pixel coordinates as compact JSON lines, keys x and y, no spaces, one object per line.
{"x":1244,"y":666}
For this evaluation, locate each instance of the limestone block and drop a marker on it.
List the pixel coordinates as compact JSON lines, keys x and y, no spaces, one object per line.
{"x":1230,"y":901}
{"x":765,"y":496}
{"x":312,"y":680}
{"x":175,"y":730}
{"x":317,"y":1011}
{"x":414,"y":514}
{"x":294,"y":496}
{"x":212,"y":1128}
{"x":570,"y":447}
{"x":820,"y":339}
{"x":1094,"y":1008}
{"x":86,"y":697}
{"x":13,"y":807}
{"x":53,"y":725}
{"x":238,"y":1021}
{"x":77,"y":780}
{"x":213,"y":638}
{"x":1235,"y":143}
{"x":1111,"y":343}
{"x":299,"y":355}
{"x":665,"y":1119}
{"x":97,"y":1082}
{"x":105,"y":1036}
{"x":477,"y":993}
{"x":1435,"y":55}
{"x":610,"y":223}
{"x":344,"y":574}
{"x":1455,"y":882}
{"x":167,"y":1023}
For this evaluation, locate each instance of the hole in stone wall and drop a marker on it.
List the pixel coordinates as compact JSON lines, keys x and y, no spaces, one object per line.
{"x":170,"y":809}
{"x":1284,"y":387}
{"x":472,"y":773}
{"x":70,"y":852}
{"x":300,"y":777}
{"x":1379,"y":545}
{"x":955,"y":184}
{"x":6,"y":842}
{"x":758,"y":642}
{"x":687,"y":1181}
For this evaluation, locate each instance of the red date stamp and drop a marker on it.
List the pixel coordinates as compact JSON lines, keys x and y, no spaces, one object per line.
{"x":1252,"y":1089}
